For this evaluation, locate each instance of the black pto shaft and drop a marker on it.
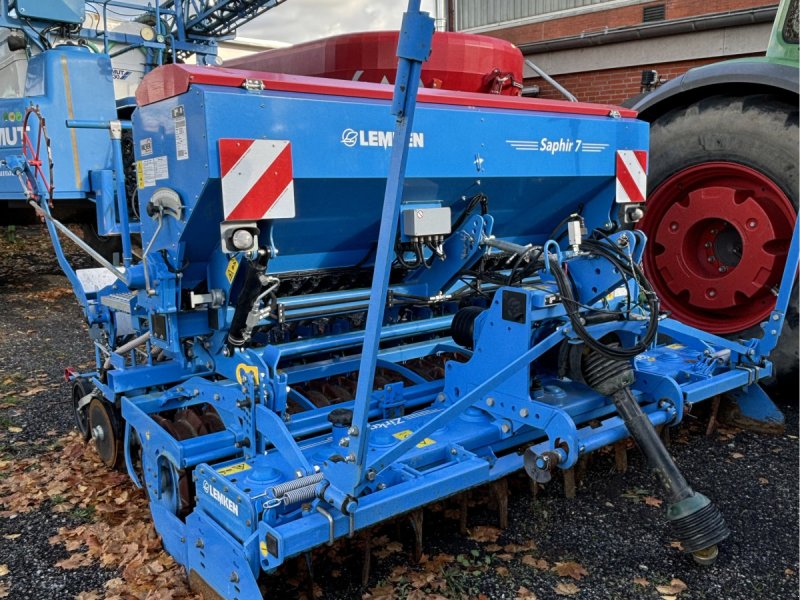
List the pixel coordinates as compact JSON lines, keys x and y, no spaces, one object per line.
{"x":696,"y":522}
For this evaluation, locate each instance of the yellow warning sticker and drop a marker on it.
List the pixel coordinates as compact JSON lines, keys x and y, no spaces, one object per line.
{"x":230,"y":270}
{"x":233,"y":469}
{"x":401,"y":435}
{"x":263,"y":546}
{"x":676,"y":346}
{"x":140,"y":175}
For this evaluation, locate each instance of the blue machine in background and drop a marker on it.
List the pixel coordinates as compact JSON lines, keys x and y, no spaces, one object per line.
{"x":75,"y":60}
{"x":349,"y":304}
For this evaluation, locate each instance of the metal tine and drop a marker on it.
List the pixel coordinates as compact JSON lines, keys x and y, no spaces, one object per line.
{"x":569,"y":482}
{"x":310,"y":567}
{"x":367,"y":564}
{"x":713,"y":421}
{"x":500,"y":489}
{"x":416,"y":518}
{"x":621,"y":456}
{"x":464,"y":513}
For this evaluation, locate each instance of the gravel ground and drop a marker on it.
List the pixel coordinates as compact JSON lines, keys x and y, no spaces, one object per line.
{"x":608,"y":529}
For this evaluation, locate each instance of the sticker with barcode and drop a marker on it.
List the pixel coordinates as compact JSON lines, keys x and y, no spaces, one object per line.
{"x":181,"y":133}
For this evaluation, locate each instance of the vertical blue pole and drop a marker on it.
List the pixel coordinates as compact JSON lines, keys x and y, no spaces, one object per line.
{"x":773,"y":327}
{"x":413,"y":49}
{"x":122,"y":194}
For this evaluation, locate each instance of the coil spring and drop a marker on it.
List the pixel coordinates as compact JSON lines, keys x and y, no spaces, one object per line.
{"x":288,"y":486}
{"x":299,"y":495}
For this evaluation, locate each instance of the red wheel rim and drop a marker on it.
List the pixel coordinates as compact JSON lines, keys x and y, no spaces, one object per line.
{"x":718,"y":238}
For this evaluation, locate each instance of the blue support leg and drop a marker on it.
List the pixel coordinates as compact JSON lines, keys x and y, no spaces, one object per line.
{"x":753,"y":409}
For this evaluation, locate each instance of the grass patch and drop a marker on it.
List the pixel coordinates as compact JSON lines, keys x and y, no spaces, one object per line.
{"x":84,"y":514}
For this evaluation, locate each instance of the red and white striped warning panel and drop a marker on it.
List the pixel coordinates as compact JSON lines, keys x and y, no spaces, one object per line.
{"x":257,"y":180}
{"x":631,"y":175}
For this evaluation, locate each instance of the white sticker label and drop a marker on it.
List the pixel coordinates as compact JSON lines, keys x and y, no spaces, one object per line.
{"x":181,"y":133}
{"x":161,"y":167}
{"x":146,"y":146}
{"x":150,"y":170}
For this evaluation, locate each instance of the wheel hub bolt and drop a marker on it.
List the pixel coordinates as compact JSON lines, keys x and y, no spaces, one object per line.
{"x":752,"y":223}
{"x":712,"y":293}
{"x":98,"y":433}
{"x":723,"y":269}
{"x":711,"y":259}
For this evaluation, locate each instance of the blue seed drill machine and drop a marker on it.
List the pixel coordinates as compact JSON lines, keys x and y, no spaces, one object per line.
{"x":348,"y":304}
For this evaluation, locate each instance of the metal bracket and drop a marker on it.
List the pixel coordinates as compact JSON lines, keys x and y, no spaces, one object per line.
{"x":253,"y":85}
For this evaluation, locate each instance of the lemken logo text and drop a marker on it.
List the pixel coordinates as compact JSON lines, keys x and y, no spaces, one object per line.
{"x":377,"y":138}
{"x":221,"y":498}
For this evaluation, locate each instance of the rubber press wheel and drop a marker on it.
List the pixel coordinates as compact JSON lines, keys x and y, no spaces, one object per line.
{"x":105,"y":432}
{"x":720,"y":214}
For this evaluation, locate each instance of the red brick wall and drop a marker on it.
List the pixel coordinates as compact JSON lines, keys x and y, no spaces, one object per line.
{"x":612,"y":86}
{"x":619,"y":17}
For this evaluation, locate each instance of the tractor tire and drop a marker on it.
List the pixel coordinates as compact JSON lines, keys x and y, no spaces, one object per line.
{"x":720,"y":215}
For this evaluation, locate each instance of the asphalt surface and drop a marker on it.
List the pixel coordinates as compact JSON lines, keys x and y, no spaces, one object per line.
{"x":610,"y":528}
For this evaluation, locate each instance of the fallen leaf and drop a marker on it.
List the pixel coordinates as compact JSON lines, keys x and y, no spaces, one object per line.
{"x":763,"y":480}
{"x":653,"y":501}
{"x":675,"y":587}
{"x":570,"y":569}
{"x":566,"y":589}
{"x":493,"y":548}
{"x":788,"y":572}
{"x":505,"y":556}
{"x":737,"y":455}
{"x":485,"y":533}
{"x":641,"y":581}
{"x":536,"y":563}
{"x":14,"y":429}
{"x":524,"y":593}
{"x":502,"y":571}
{"x":3,"y":591}
{"x":11,"y":536}
{"x":3,"y":570}
{"x":515,"y":548}
{"x":676,"y":544}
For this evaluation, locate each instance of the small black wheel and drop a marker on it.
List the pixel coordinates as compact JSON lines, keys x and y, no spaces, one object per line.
{"x":103,"y":425}
{"x":81,"y":389}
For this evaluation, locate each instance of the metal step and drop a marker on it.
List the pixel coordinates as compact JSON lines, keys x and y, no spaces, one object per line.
{"x":120,"y":302}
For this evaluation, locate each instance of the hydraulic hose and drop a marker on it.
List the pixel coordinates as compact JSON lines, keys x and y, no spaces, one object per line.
{"x":249,"y":294}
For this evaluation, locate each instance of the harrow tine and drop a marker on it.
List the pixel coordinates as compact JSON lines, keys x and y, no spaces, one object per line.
{"x":569,"y":483}
{"x":500,"y":489}
{"x":464,"y":513}
{"x":310,"y":567}
{"x":416,"y":519}
{"x":367,"y":564}
{"x":713,"y":423}
{"x":621,"y":456}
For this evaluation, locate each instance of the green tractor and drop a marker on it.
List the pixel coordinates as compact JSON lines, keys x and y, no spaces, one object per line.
{"x":723,"y":190}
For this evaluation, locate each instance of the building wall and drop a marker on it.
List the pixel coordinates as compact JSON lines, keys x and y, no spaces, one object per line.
{"x":598,"y":17}
{"x":611,"y":86}
{"x":611,"y":73}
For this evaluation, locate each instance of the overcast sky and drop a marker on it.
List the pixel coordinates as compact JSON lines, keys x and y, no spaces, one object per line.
{"x":302,"y":20}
